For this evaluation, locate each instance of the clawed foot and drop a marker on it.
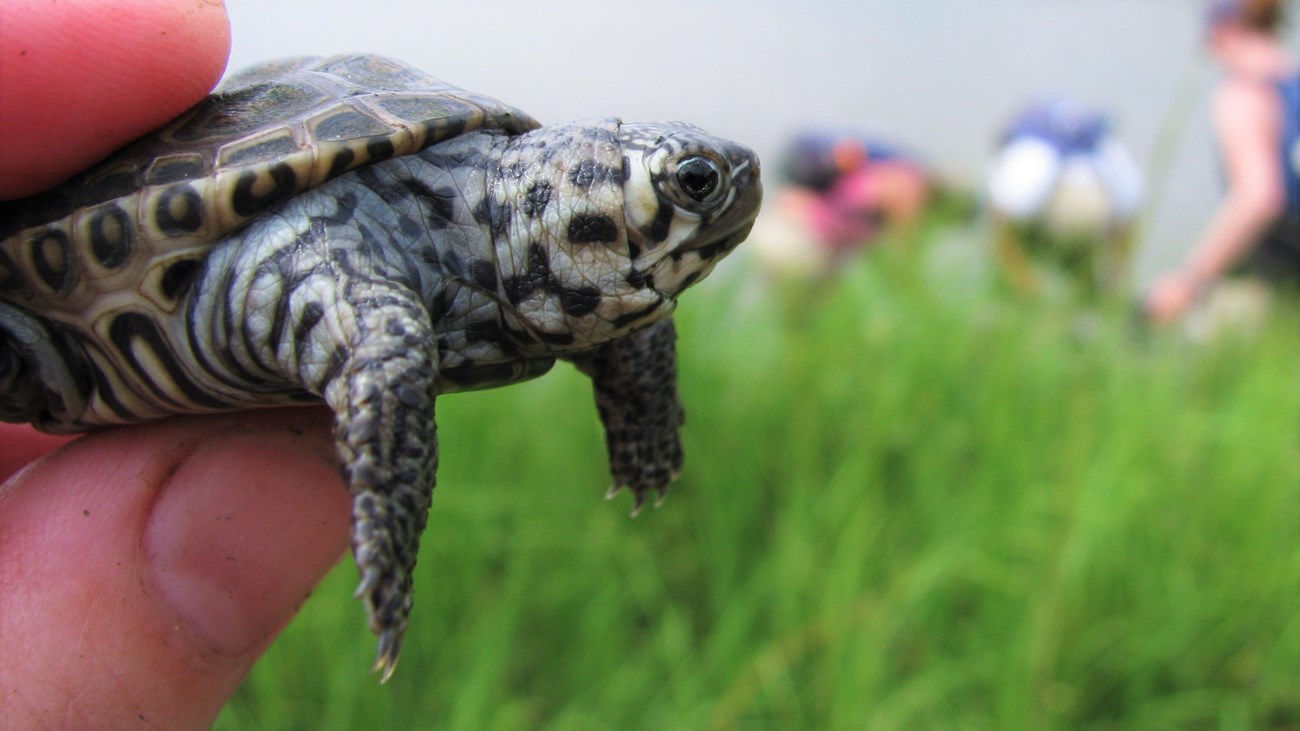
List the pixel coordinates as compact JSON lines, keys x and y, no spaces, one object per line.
{"x":386,"y":656}
{"x":390,"y":632}
{"x":639,"y":495}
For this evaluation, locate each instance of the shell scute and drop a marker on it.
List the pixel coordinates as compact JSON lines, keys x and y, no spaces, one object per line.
{"x":266,"y":135}
{"x":294,"y":112}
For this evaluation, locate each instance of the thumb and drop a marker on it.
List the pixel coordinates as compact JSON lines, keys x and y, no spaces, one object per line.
{"x":143,"y":570}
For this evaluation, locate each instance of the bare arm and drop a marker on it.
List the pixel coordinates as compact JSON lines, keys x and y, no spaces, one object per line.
{"x":1247,"y":119}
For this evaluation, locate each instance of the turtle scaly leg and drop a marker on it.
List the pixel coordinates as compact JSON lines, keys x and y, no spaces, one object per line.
{"x":635,"y":383}
{"x":383,"y":400}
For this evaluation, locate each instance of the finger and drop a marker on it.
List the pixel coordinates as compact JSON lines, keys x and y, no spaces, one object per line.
{"x":20,"y":445}
{"x":81,"y":78}
{"x":146,"y":568}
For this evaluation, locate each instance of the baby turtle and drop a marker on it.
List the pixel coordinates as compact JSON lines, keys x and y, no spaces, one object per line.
{"x":355,"y":231}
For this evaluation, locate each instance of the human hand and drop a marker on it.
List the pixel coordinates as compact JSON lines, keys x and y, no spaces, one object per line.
{"x":1170,"y":298}
{"x":143,"y":569}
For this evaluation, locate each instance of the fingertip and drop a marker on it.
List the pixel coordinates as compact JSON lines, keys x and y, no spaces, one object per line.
{"x":243,"y":531}
{"x":146,"y":569}
{"x":20,"y":445}
{"x":83,"y":78}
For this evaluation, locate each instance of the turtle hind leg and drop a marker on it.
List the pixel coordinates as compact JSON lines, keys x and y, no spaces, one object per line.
{"x":383,"y":400}
{"x":635,"y":384}
{"x":44,"y":379}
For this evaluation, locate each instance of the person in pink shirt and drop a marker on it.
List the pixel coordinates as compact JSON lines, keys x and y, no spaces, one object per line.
{"x":841,"y":190}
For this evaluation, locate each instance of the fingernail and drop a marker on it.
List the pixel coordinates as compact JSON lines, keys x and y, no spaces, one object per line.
{"x":242,"y":532}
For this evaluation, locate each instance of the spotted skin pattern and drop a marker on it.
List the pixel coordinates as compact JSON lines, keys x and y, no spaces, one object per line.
{"x":374,"y":269}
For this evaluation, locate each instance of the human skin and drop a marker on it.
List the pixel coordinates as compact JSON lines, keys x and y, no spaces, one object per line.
{"x":143,"y":569}
{"x":1247,"y":115}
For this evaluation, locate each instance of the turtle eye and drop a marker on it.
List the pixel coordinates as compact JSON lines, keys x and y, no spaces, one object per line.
{"x":698,"y":177}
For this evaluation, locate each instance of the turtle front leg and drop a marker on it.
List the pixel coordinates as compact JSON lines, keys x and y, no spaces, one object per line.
{"x":635,"y":383}
{"x":383,"y":400}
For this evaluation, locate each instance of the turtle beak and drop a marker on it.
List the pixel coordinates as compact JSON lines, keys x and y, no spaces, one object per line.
{"x":735,"y":222}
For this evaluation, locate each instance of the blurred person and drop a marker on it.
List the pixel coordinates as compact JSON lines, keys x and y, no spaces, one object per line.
{"x":1064,"y":191}
{"x":840,"y":191}
{"x":1256,"y":115}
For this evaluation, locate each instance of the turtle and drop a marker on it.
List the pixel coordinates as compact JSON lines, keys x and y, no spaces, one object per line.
{"x":355,"y":231}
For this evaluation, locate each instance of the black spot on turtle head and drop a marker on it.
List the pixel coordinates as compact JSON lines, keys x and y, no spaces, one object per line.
{"x":583,"y":175}
{"x":592,"y":229}
{"x":662,"y":223}
{"x":517,"y":288}
{"x":560,"y":338}
{"x":690,"y":279}
{"x":589,"y":172}
{"x":601,"y":134}
{"x":635,"y":316}
{"x":111,"y":236}
{"x":714,"y":250}
{"x":638,"y":279}
{"x":539,"y":263}
{"x":483,"y":331}
{"x":580,"y":301}
{"x":535,"y":276}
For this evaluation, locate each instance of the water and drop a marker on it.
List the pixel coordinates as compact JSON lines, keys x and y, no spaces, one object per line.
{"x":939,"y":76}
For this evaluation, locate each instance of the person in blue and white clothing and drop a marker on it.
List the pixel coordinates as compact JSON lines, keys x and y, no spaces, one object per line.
{"x":1062,"y":188}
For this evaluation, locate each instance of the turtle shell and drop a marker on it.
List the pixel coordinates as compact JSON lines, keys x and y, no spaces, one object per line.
{"x":269,"y":133}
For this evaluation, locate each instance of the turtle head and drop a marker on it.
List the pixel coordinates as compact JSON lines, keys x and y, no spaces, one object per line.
{"x":689,"y":198}
{"x":613,"y":221}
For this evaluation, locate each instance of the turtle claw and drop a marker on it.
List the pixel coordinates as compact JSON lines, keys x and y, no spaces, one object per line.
{"x":613,"y":490}
{"x":387,"y":654}
{"x":640,"y":497}
{"x":369,"y":580}
{"x":640,"y":503}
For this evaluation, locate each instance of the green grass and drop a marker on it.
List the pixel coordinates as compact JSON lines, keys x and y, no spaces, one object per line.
{"x":910,"y":502}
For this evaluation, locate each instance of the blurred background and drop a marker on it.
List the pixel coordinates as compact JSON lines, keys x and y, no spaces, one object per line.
{"x":942,"y":76}
{"x":919,"y":493}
